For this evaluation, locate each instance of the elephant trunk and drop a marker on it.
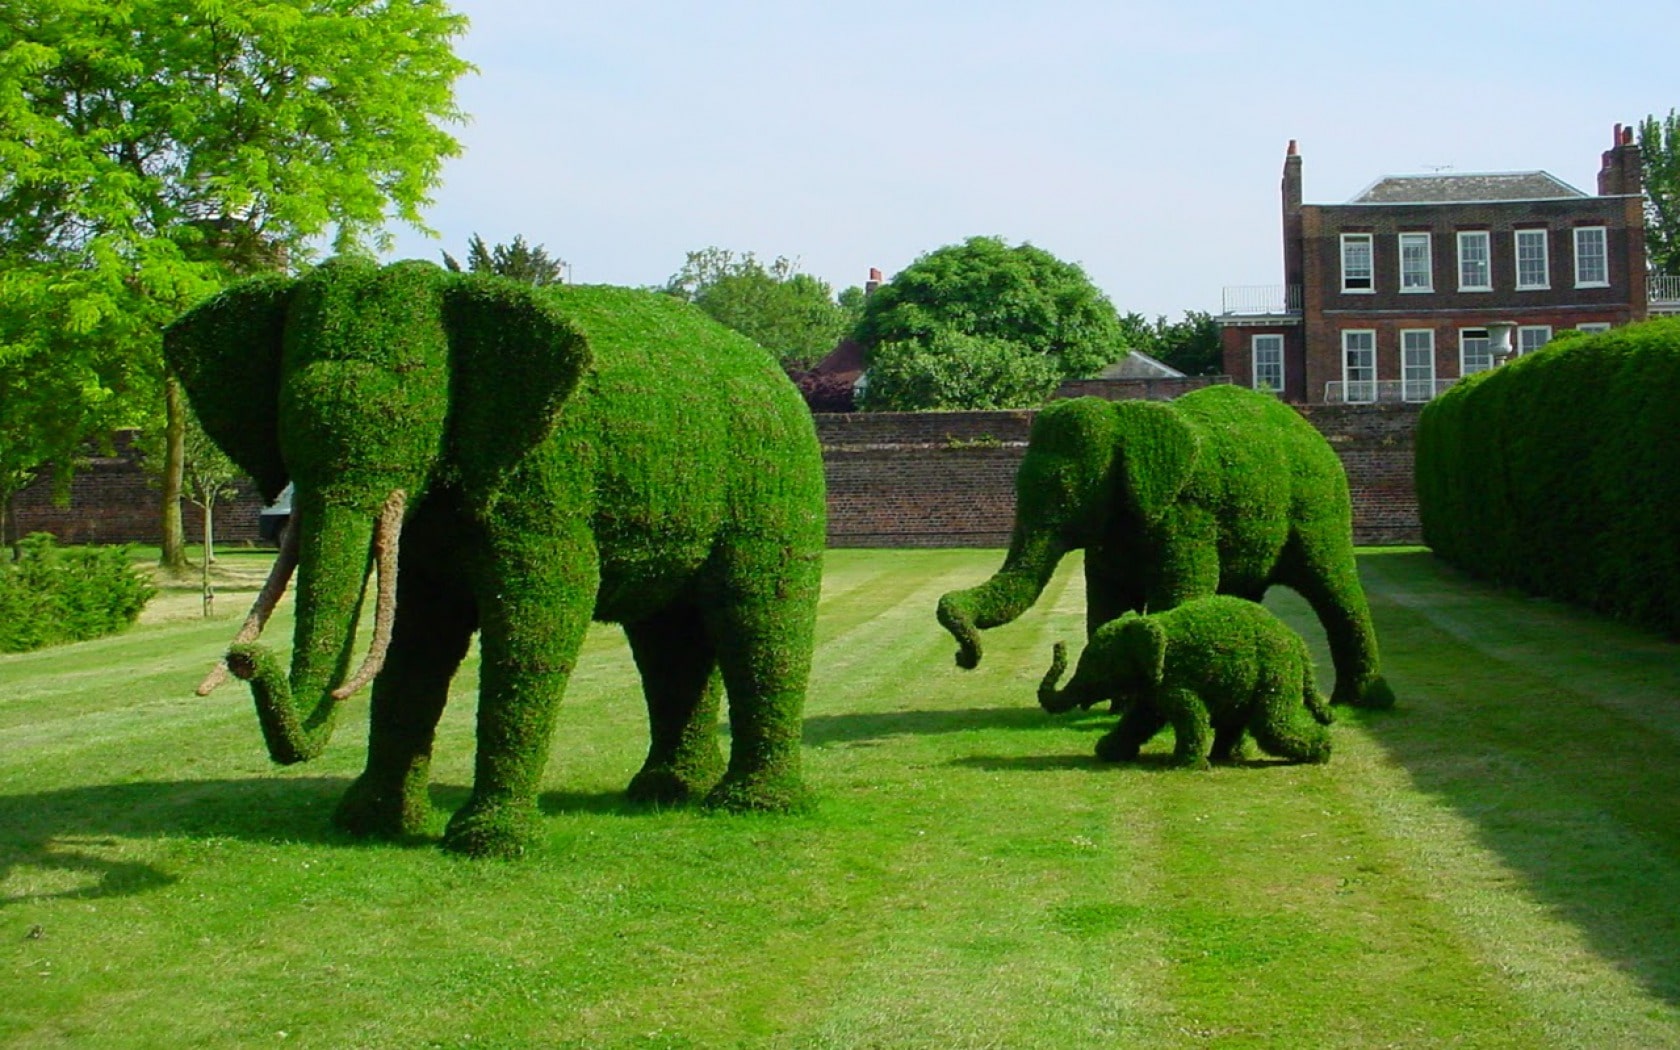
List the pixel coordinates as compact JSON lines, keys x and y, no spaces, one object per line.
{"x":1048,"y":697}
{"x":1031,"y":561}
{"x":298,"y":711}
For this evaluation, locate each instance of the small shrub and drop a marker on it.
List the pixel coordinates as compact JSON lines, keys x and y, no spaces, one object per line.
{"x":51,"y":595}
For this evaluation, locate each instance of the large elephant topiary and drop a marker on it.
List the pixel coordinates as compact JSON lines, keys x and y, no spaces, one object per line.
{"x":1214,"y":669}
{"x":548,"y":456}
{"x":1223,"y":491}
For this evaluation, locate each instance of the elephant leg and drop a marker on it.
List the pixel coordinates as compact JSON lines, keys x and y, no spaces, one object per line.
{"x":428,"y":642}
{"x":535,"y":606}
{"x":763,"y":634}
{"x":678,"y":665}
{"x":1324,"y":573}
{"x":1136,"y":728}
{"x":1227,"y":742}
{"x":1106,"y":599}
{"x":1282,"y":724}
{"x":1190,"y":722}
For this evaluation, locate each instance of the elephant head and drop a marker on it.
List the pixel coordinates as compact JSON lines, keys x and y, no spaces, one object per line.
{"x":1125,"y":657}
{"x":1091,"y":465}
{"x":365,"y":387}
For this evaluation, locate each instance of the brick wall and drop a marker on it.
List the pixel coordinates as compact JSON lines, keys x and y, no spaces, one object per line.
{"x":895,"y":479}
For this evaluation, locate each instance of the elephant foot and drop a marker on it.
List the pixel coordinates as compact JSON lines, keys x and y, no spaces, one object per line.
{"x":668,"y":785}
{"x":493,"y":829}
{"x":371,"y":809}
{"x":1113,"y":747}
{"x":1374,"y":694}
{"x":1197,"y":762}
{"x":759,"y":794}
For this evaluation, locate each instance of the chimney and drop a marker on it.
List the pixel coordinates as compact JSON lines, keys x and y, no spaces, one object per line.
{"x":1622,"y":172}
{"x":874,"y":281}
{"x":1292,"y":247}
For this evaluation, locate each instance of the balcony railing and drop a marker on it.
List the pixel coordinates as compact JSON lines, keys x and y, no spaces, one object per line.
{"x":1384,"y":391}
{"x":1663,"y":293}
{"x":1262,"y":300}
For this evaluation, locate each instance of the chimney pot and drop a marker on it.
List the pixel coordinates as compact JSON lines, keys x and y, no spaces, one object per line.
{"x":1292,"y":150}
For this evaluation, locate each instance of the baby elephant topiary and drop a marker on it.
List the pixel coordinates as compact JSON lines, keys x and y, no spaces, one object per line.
{"x":1214,"y":668}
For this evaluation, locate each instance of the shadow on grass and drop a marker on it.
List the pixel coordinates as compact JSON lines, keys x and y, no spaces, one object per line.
{"x":824,"y":730}
{"x":1556,"y":735}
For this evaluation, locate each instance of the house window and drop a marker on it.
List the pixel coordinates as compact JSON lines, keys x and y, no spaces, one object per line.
{"x":1592,"y":267}
{"x":1356,"y":262}
{"x":1474,"y":273}
{"x":1475,"y":351}
{"x":1359,"y":366}
{"x":1268,"y":363}
{"x":1416,"y":271}
{"x":1593,"y":326}
{"x":1417,"y":364}
{"x":1531,"y":337}
{"x":1533,"y":269}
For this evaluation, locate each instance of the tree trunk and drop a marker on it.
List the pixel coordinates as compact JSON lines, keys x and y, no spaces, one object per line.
{"x":174,"y":557}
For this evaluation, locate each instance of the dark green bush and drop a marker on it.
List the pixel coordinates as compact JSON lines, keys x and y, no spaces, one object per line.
{"x":51,"y":594}
{"x":1556,"y":473}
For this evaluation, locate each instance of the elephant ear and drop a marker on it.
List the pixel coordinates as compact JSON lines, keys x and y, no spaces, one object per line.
{"x":226,"y":352}
{"x":1158,"y":453}
{"x":1145,"y":642}
{"x":515,"y":358}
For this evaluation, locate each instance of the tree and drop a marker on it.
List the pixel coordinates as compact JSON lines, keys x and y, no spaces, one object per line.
{"x":955,"y":371}
{"x":1021,"y":298}
{"x":1659,"y":151}
{"x":152,"y":149}
{"x":791,"y":314}
{"x":530,"y":264}
{"x":1192,"y":345}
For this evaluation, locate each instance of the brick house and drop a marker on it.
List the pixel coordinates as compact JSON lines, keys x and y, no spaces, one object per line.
{"x":1422,"y":279}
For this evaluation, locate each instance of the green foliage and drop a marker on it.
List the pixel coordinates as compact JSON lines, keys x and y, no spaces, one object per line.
{"x":591,"y":454}
{"x":1214,"y":669}
{"x":986,"y":290}
{"x":151,"y":149}
{"x":1659,"y":152}
{"x":1554,"y":473}
{"x":1191,"y":345}
{"x":519,"y":261}
{"x":1221,"y":491}
{"x":51,"y":595}
{"x":954,"y":371}
{"x":791,"y":314}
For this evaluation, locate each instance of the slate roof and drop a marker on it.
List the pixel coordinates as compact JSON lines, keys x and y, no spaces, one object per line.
{"x":1139,"y":365}
{"x":1456,"y":188}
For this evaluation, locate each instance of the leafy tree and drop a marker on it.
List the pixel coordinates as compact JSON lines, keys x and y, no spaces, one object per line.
{"x":1191,"y":345}
{"x":1659,"y":150}
{"x":955,"y":371}
{"x":152,"y":149}
{"x":997,"y":296}
{"x":519,"y":261}
{"x":791,"y":314}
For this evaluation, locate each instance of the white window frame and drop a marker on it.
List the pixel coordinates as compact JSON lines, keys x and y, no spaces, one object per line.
{"x":1466,"y":237}
{"x":1413,"y":274}
{"x":1531,"y":337}
{"x":1350,"y":385}
{"x":1598,"y":261}
{"x":1417,"y":364}
{"x":1370,"y":276}
{"x":1467,"y":337}
{"x":1591,"y":327}
{"x":1543,"y":239}
{"x":1273,"y":344}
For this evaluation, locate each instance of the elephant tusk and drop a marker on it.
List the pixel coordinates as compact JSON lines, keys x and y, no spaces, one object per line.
{"x":385,"y":536}
{"x":261,"y":609}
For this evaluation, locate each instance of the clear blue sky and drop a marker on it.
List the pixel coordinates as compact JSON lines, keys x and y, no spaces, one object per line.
{"x":1141,"y":140}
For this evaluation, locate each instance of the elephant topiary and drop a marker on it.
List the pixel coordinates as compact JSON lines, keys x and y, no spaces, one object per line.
{"x":1223,"y":491}
{"x":1214,"y":669}
{"x":547,"y":456}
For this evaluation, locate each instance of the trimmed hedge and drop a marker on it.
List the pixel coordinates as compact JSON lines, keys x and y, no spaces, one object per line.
{"x":51,"y":595}
{"x":1557,"y":473}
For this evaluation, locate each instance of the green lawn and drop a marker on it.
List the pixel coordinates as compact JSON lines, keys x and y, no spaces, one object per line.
{"x":1494,"y":864}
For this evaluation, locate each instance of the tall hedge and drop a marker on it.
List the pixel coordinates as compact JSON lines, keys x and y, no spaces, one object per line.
{"x":51,"y":595}
{"x":1559,"y":473}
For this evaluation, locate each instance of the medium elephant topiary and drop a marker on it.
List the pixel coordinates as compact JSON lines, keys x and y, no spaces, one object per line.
{"x":547,"y":457}
{"x":1214,"y":669}
{"x":1223,"y":491}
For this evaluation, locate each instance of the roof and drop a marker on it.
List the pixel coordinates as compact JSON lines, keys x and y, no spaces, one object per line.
{"x":1459,"y":189}
{"x":1139,"y":365}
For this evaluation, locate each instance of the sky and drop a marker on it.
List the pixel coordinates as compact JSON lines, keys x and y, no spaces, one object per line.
{"x":1143,"y":141}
